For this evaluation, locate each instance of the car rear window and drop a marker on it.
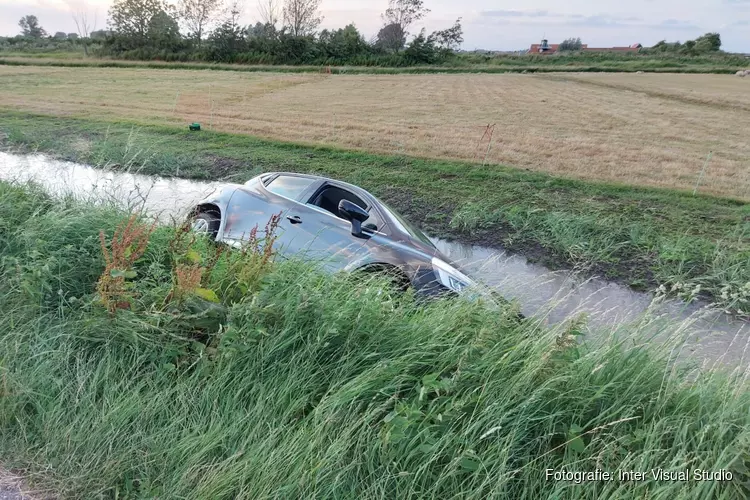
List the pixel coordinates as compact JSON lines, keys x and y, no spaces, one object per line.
{"x":289,"y":186}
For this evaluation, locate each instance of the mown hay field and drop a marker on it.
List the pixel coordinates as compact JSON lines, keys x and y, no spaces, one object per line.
{"x":638,"y":129}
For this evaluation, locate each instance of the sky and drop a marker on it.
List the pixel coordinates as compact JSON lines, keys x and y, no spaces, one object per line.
{"x":488,"y":24}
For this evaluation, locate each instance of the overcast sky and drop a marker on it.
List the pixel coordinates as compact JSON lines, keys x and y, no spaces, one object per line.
{"x":488,"y":24}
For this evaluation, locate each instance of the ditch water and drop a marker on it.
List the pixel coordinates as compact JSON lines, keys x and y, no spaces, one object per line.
{"x":714,"y":338}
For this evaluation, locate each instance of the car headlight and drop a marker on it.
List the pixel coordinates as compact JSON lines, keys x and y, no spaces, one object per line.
{"x":450,"y":277}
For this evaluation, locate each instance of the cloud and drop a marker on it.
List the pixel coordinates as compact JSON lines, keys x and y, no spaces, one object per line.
{"x":540,"y":17}
{"x":676,"y":24}
{"x":605,"y":21}
{"x":519,"y":13}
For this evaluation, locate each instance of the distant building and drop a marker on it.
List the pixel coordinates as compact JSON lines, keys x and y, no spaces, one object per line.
{"x":633,"y":48}
{"x":550,"y":48}
{"x":544,"y":48}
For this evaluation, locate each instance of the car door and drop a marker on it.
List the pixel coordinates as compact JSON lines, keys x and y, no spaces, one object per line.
{"x":331,"y":242}
{"x":253,"y":205}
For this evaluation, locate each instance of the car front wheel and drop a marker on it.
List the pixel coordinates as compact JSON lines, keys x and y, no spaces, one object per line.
{"x":206,"y":223}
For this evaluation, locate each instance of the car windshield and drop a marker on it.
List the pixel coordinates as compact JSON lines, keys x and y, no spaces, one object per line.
{"x":404,"y":225}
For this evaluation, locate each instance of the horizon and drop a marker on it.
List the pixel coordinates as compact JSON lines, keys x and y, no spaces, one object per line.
{"x":491,"y":25}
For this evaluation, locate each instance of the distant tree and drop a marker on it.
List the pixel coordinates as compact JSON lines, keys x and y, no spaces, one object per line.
{"x":706,"y":44}
{"x":343,"y":43}
{"x":226,"y":42}
{"x":295,"y":49}
{"x":269,"y":11}
{"x":85,"y":25}
{"x":262,"y":30}
{"x":263,"y":38}
{"x":131,"y":18}
{"x":660,"y":46}
{"x":30,"y":27}
{"x":198,"y":15}
{"x":710,"y":42}
{"x":60,"y":35}
{"x":164,"y":31}
{"x":228,"y":39}
{"x":664,"y":46}
{"x":404,"y":13}
{"x":570,"y":45}
{"x":431,"y":49}
{"x":451,"y":38}
{"x":232,"y":13}
{"x":73,"y":36}
{"x":421,"y":50}
{"x":302,"y":17}
{"x":391,"y":38}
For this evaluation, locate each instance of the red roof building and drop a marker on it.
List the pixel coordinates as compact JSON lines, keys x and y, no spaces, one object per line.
{"x":612,"y":49}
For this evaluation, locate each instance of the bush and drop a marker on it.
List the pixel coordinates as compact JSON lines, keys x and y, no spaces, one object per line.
{"x":42,"y":45}
{"x":421,"y":50}
{"x":295,"y":49}
{"x":570,"y":45}
{"x":343,"y":44}
{"x":710,"y":43}
{"x":226,"y":43}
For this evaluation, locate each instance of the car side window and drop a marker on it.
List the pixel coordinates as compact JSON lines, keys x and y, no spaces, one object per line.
{"x":329,"y":198}
{"x":289,"y":186}
{"x":374,"y":222}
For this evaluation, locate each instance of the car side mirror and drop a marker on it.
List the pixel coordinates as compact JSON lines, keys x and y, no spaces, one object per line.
{"x":354,"y":214}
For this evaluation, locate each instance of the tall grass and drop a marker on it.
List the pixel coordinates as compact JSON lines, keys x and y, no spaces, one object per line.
{"x":315,"y":386}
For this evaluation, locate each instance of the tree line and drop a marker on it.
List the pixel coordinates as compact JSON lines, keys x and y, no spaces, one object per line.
{"x":286,"y":32}
{"x":706,"y":44}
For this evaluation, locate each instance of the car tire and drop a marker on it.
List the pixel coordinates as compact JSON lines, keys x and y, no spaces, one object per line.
{"x":206,"y":223}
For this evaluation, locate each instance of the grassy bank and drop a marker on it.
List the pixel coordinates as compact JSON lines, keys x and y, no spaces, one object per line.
{"x":641,"y":237}
{"x":510,"y":64}
{"x":310,"y":389}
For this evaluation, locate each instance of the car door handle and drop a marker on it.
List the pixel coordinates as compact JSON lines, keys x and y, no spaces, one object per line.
{"x":294,"y":219}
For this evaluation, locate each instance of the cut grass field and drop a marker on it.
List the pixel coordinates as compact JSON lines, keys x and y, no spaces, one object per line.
{"x":642,"y":130}
{"x":322,"y":386}
{"x":639,"y":236}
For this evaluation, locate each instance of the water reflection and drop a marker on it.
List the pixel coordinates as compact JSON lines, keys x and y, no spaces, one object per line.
{"x":559,"y":295}
{"x":159,"y":196}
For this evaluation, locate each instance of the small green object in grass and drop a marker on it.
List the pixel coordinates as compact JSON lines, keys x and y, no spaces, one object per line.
{"x":195,"y":127}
